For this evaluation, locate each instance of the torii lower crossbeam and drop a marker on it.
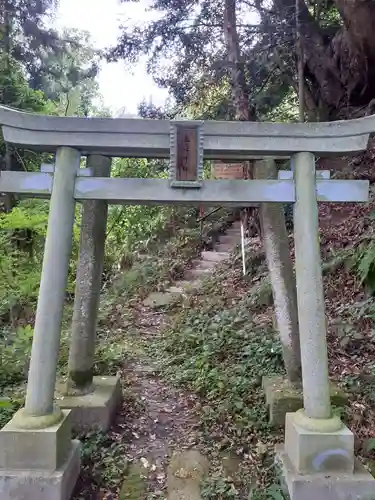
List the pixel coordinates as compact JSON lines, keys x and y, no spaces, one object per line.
{"x":158,"y":191}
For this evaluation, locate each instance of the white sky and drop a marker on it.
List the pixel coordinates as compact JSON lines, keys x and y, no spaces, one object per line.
{"x":120,"y":86}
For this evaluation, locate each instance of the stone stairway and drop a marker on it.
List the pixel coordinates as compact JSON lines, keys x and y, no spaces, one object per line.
{"x":202,"y":267}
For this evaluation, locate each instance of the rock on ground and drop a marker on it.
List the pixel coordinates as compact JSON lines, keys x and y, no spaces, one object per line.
{"x":185,"y":473}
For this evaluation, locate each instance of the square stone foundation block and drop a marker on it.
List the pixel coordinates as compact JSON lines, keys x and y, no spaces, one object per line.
{"x":94,"y":411}
{"x":311,"y":452}
{"x":44,"y":449}
{"x":282,"y":398}
{"x":358,"y":485}
{"x":42,"y":484}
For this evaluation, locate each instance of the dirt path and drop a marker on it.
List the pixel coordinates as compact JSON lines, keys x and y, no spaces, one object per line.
{"x":168,"y":421}
{"x":156,"y":419}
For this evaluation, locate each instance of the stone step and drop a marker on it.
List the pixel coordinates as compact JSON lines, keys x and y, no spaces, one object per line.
{"x":228,"y":238}
{"x":197,"y":273}
{"x":185,"y":473}
{"x":182,"y":286}
{"x":236,"y":233}
{"x":175,"y":289}
{"x":224,"y":247}
{"x":213,"y":256}
{"x":235,"y":226}
{"x":203,"y":264}
{"x":192,"y":284}
{"x":160,"y":299}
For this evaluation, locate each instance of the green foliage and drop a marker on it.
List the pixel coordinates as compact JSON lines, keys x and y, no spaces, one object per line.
{"x":370,"y":444}
{"x":274,"y":492}
{"x":110,"y":355}
{"x":8,"y":406}
{"x":59,"y":65}
{"x":132,"y":225}
{"x":19,"y":269}
{"x":134,"y":486}
{"x":15,"y":91}
{"x":363,"y":261}
{"x":225,"y":488}
{"x":360,"y":258}
{"x":106,"y":457}
{"x":221,"y":354}
{"x":67,"y":76}
{"x":160,"y":266}
{"x":15,"y":349}
{"x":187,"y":55}
{"x":24,"y":35}
{"x":20,"y":272}
{"x":285,"y":110}
{"x":218,"y":489}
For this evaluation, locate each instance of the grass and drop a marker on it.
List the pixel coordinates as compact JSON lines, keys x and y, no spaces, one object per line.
{"x":214,"y":345}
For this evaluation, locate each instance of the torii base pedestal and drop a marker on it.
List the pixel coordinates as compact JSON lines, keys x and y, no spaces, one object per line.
{"x":321,"y":465}
{"x":38,"y":464}
{"x":95,"y":410}
{"x":282,"y":398}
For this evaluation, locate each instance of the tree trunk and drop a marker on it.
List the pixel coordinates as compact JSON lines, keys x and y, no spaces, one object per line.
{"x":359,"y":21}
{"x":240,"y":93}
{"x":272,"y":217}
{"x":317,"y":54}
{"x":354,"y":50}
{"x":343,"y":68}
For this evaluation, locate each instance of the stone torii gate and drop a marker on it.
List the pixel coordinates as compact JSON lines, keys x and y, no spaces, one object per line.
{"x":38,"y":459}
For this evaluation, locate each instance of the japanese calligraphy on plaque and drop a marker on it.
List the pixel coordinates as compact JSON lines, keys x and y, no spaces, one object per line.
{"x":186,"y":159}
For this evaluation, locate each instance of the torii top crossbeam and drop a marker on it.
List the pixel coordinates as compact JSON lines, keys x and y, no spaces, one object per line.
{"x":151,"y":138}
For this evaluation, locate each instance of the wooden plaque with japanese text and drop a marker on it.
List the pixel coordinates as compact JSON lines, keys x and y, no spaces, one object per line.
{"x":187,"y":158}
{"x":186,"y":155}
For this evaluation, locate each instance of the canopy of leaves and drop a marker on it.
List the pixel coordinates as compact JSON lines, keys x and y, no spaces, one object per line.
{"x":24,"y":34}
{"x":73,"y":67}
{"x":186,"y":53}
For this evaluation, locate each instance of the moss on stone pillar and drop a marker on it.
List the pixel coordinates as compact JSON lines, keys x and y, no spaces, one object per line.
{"x":80,"y":382}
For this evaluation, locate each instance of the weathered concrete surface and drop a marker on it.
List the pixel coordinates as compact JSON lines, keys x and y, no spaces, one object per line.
{"x":225,"y":248}
{"x":134,"y":485}
{"x":359,"y":485}
{"x":231,"y":464}
{"x":215,"y":256}
{"x":184,"y":286}
{"x":88,"y":285}
{"x":46,"y":340}
{"x":313,"y":452}
{"x":282,"y":397}
{"x":158,"y":191}
{"x":230,"y":237}
{"x":310,"y":293}
{"x":95,"y":410}
{"x":43,"y":449}
{"x":280,"y":267}
{"x":46,"y":484}
{"x":185,"y":473}
{"x":204,"y":264}
{"x":197,"y":273}
{"x":161,"y":299}
{"x":221,"y":139}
